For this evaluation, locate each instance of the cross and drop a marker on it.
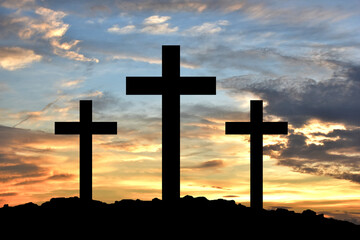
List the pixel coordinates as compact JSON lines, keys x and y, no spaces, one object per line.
{"x":170,"y":85}
{"x":85,"y":128}
{"x":256,"y":128}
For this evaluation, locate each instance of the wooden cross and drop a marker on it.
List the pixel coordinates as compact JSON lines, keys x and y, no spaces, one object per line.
{"x":256,"y":128}
{"x":170,"y":85}
{"x":85,"y":128}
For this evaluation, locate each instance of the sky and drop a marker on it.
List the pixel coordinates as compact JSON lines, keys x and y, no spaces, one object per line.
{"x":302,"y":58}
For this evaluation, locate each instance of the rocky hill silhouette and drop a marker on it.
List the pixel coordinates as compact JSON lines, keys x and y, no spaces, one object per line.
{"x":190,"y":215}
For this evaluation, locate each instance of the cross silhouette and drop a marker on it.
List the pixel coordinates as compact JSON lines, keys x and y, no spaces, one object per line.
{"x":85,"y":128}
{"x":170,"y":85}
{"x":256,"y":128}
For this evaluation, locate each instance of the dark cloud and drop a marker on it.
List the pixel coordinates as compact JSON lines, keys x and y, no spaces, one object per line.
{"x":56,"y":177}
{"x":20,"y":171}
{"x":298,"y":100}
{"x":208,"y":164}
{"x":269,"y":61}
{"x":29,"y":182}
{"x":230,"y":196}
{"x":21,"y":162}
{"x":8,"y":194}
{"x":60,"y":177}
{"x":18,"y":137}
{"x":351,"y":216}
{"x":329,"y":158}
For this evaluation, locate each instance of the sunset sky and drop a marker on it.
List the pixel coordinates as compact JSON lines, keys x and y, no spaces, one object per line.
{"x":302,"y":58}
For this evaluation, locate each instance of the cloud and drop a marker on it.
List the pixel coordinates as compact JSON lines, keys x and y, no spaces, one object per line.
{"x":61,"y":177}
{"x":158,"y":25}
{"x":65,"y":45}
{"x":56,"y":177}
{"x":264,"y":61}
{"x":156,"y":19}
{"x":122,"y":30}
{"x":152,"y":25}
{"x":25,"y":156}
{"x":13,"y":58}
{"x":74,"y":56}
{"x":134,"y":146}
{"x":337,"y":155}
{"x":292,"y":15}
{"x":126,"y":6}
{"x":8,"y":194}
{"x":47,"y":25}
{"x":208,"y":165}
{"x":53,"y":26}
{"x":207,"y":28}
{"x":72,"y":83}
{"x":150,"y":60}
{"x":138,"y":58}
{"x":16,"y":4}
{"x":323,"y":117}
{"x":299,"y":100}
{"x":36,"y":114}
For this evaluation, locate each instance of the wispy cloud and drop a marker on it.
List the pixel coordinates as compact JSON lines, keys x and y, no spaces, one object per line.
{"x":294,"y":15}
{"x":72,"y":83}
{"x":207,"y":28}
{"x":150,"y":60}
{"x":17,"y":3}
{"x":208,"y":165}
{"x":74,"y":55}
{"x":197,"y":6}
{"x":47,"y":24}
{"x":37,"y":113}
{"x":261,"y":61}
{"x":122,"y":30}
{"x":152,"y":25}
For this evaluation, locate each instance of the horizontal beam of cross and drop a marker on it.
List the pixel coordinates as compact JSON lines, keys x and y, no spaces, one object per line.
{"x":159,"y":85}
{"x":268,"y":128}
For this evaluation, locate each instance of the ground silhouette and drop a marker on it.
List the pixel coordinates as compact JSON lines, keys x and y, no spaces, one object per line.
{"x":189,"y":215}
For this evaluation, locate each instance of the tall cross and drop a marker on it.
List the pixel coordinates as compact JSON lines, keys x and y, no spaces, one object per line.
{"x":171,"y":86}
{"x":85,"y":128}
{"x":256,"y":128}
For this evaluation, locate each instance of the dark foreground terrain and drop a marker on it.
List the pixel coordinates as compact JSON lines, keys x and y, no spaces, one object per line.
{"x":189,"y":217}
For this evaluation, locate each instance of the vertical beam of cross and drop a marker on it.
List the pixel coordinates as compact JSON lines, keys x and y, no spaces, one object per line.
{"x":85,"y":128}
{"x":256,"y":128}
{"x":170,"y":85}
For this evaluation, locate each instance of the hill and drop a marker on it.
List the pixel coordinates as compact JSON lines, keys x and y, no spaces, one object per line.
{"x":190,"y":215}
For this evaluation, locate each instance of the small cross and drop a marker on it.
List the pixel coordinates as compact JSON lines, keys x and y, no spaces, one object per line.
{"x":171,"y":85}
{"x":256,"y":128}
{"x":85,"y":128}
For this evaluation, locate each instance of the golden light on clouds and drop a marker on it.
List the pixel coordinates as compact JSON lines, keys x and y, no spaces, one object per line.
{"x":12,"y":58}
{"x":314,"y":126}
{"x":53,"y":55}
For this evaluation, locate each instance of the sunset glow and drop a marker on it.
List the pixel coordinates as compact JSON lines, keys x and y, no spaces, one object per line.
{"x":300,"y":58}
